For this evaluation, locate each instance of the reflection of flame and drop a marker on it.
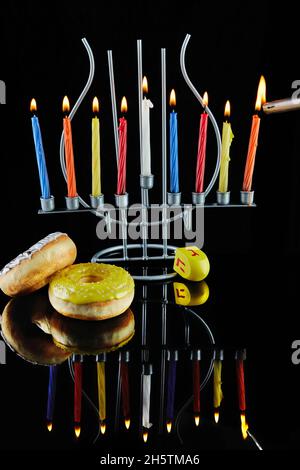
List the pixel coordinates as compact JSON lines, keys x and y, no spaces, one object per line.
{"x":102,"y":428}
{"x":77,"y":430}
{"x":169,"y":426}
{"x":261,"y":93}
{"x":124,"y":105}
{"x":49,"y":426}
{"x":145,"y":436}
{"x":197,"y":420}
{"x":216,"y":416}
{"x":33,"y":105}
{"x":127,"y":423}
{"x":244,"y":426}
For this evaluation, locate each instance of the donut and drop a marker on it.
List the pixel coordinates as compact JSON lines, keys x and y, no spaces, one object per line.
{"x":19,"y":331}
{"x":32,"y":269}
{"x":90,"y":337}
{"x":91,"y":291}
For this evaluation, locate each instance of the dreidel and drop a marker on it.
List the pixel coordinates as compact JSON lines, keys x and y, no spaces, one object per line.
{"x":191,"y":293}
{"x":191,"y":263}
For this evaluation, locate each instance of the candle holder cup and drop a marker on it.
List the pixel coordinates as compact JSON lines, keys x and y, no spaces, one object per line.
{"x":47,"y":204}
{"x":198,"y":199}
{"x":195,"y":355}
{"x":121,"y":200}
{"x":174,"y":199}
{"x":146,"y":181}
{"x":223,"y":198}
{"x":72,"y":203}
{"x":241,"y":354}
{"x":97,"y":201}
{"x":247,"y":198}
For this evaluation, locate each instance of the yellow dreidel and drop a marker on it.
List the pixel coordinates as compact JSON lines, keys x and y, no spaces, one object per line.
{"x":191,"y":263}
{"x":191,"y":293}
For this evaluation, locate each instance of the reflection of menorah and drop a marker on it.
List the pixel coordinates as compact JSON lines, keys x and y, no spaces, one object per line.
{"x":144,"y":251}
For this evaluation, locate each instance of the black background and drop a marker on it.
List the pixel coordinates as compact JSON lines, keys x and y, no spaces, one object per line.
{"x":254,"y":253}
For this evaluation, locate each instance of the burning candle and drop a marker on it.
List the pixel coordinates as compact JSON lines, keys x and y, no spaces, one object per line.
{"x":121,"y":186}
{"x":146,"y":144}
{"x":39,"y":152}
{"x":51,"y":396}
{"x":227,"y":137}
{"x":125,"y":393}
{"x":201,"y":156}
{"x":174,"y":176}
{"x":101,"y":391}
{"x":218,"y":394}
{"x":240,"y":357}
{"x":77,"y":396}
{"x":146,"y":399}
{"x":96,"y":172}
{"x":253,"y":141}
{"x":69,"y":154}
{"x":173,"y":358}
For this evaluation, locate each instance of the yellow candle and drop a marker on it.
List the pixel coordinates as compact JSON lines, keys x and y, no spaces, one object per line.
{"x":218,"y":394}
{"x":227,"y":137}
{"x":96,"y":177}
{"x":101,"y":390}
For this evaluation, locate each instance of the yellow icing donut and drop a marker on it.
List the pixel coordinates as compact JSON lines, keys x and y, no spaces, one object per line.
{"x":91,"y":291}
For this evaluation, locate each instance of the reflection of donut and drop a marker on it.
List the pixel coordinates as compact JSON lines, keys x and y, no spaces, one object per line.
{"x":91,"y":291}
{"x":91,"y":337}
{"x":31,"y":270}
{"x":25,"y":338}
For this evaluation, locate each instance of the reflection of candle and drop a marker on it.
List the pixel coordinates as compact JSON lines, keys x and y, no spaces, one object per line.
{"x":253,"y":141}
{"x":173,"y":357}
{"x":69,"y":154}
{"x":125,"y":393}
{"x":202,"y":147}
{"x":121,"y":186}
{"x":101,"y":391}
{"x":146,"y":144}
{"x":39,"y":151}
{"x":77,"y":396}
{"x":218,"y":394}
{"x":196,"y":386}
{"x":240,"y":357}
{"x":96,"y":178}
{"x":51,"y":396}
{"x":174,"y":177}
{"x":227,"y":137}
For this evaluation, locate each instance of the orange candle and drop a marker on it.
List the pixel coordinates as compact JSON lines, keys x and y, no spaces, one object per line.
{"x":69,"y":154}
{"x":253,"y":141}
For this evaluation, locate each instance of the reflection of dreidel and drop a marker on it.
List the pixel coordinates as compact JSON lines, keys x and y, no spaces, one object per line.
{"x":191,"y":293}
{"x":191,"y":263}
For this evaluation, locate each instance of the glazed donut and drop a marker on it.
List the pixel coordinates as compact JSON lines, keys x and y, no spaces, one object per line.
{"x":91,"y":291}
{"x":19,"y":331}
{"x":32,"y":269}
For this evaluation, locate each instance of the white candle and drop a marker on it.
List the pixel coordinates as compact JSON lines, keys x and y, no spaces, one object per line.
{"x":146,"y":145}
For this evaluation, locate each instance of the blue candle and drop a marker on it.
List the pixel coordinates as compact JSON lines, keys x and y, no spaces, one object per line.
{"x":51,"y":395}
{"x":40,"y":154}
{"x":174,"y":176}
{"x":171,"y":390}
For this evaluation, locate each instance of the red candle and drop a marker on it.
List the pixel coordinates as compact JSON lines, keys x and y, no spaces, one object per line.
{"x":69,"y":154}
{"x":241,"y":384}
{"x":77,"y":396}
{"x":202,"y":148}
{"x":125,"y":393}
{"x":253,"y":141}
{"x":121,"y":186}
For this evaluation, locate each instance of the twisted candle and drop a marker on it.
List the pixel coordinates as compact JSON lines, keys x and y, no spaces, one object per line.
{"x":253,"y":143}
{"x":174,"y":176}
{"x":171,"y":390}
{"x":196,"y":386}
{"x":77,"y":391}
{"x":101,"y":390}
{"x":201,"y":155}
{"x":241,"y":384}
{"x":51,"y":395}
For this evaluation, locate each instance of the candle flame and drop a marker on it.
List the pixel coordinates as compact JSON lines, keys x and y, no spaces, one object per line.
{"x":66,"y":105}
{"x":169,"y":426}
{"x":244,"y":426}
{"x":49,"y":426}
{"x":77,"y":430}
{"x":216,"y":416}
{"x":124,"y":105}
{"x":205,"y":99}
{"x":33,"y":105}
{"x":127,"y":423}
{"x":227,"y":109}
{"x":145,"y":436}
{"x":95,"y":105}
{"x":145,"y":85}
{"x":197,"y":420}
{"x":102,"y":428}
{"x":261,"y":94}
{"x":173,"y":98}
